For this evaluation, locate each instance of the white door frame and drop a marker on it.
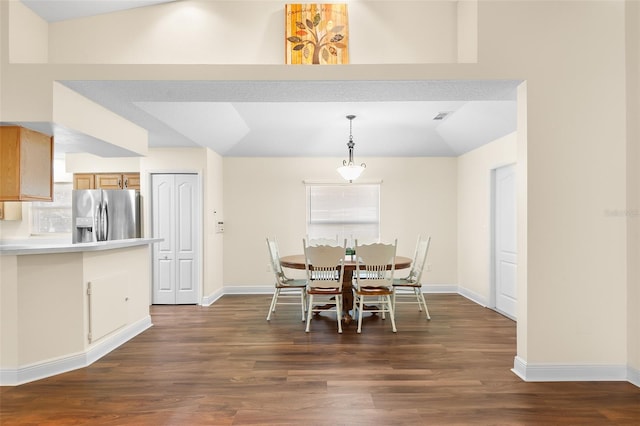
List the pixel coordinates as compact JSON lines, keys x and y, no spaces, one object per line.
{"x":493,"y":273}
{"x":148,"y":215}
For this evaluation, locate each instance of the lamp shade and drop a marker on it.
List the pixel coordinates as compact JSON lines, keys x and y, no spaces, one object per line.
{"x":350,"y":171}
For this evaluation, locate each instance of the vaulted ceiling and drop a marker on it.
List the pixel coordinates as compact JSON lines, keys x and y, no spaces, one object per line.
{"x":308,"y":118}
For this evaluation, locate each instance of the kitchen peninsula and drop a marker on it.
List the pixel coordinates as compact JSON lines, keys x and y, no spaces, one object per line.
{"x":63,"y":305}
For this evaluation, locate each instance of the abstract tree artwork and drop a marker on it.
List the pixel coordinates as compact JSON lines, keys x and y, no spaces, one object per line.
{"x":316,"y":34}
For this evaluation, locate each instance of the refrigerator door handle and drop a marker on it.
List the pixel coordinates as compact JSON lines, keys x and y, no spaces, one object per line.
{"x":97,"y":221}
{"x":105,"y":221}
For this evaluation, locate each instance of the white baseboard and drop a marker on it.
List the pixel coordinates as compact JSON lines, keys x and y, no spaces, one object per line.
{"x":67,"y":363}
{"x":633,"y":375}
{"x":474,"y":297}
{"x":210,"y":299}
{"x":109,"y":343}
{"x":254,"y":289}
{"x":569,"y":373}
{"x":436,"y":288}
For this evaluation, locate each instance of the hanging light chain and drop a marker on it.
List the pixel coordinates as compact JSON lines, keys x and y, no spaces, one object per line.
{"x":350,"y":144}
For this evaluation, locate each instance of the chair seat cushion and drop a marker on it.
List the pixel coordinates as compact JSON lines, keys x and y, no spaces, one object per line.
{"x":400,"y":282}
{"x":323,"y":290}
{"x":373,"y":291}
{"x":292,"y":283}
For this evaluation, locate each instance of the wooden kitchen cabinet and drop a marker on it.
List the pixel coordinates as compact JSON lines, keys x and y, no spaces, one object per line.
{"x":84,"y":181}
{"x":131,"y":180}
{"x":26,"y":165}
{"x":106,"y":181}
{"x":109,"y":181}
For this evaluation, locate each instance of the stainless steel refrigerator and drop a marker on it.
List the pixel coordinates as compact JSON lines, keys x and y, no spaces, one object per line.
{"x":105,"y":214}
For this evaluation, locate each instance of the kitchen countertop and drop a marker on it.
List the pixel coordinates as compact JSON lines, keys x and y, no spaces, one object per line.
{"x":44,"y":246}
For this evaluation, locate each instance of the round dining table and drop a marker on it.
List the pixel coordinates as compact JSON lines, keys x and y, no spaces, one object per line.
{"x":296,"y":261}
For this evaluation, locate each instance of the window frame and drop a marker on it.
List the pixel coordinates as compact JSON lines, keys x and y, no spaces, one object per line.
{"x":341,"y":234}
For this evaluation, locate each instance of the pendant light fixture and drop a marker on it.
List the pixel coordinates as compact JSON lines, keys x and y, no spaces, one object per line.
{"x":349,"y":170}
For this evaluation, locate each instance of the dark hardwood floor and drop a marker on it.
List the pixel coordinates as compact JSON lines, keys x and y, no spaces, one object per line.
{"x":226,"y":364}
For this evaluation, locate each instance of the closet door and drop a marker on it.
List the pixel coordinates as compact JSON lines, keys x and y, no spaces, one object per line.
{"x":175,"y":201}
{"x":505,"y":242}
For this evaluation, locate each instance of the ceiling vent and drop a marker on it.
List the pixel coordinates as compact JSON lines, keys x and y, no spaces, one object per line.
{"x":442,"y":115}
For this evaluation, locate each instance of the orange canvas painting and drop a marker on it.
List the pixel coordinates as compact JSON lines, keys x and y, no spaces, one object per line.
{"x":316,"y":34}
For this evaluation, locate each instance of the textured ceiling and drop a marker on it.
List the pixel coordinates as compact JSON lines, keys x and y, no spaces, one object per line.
{"x":307,"y":118}
{"x":61,"y":10}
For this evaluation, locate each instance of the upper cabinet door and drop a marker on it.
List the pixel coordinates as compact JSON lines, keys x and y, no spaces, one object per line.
{"x":26,"y":165}
{"x":108,"y":181}
{"x":131,"y":180}
{"x":84,"y":181}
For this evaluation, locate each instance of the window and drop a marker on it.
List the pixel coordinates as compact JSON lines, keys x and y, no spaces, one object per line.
{"x":53,"y":217}
{"x":349,"y":211}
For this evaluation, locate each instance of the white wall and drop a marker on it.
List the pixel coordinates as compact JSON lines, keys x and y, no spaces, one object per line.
{"x":29,"y":40}
{"x":265,"y":197}
{"x":59,"y":327}
{"x":250,"y":32}
{"x":9,"y":305}
{"x":88,"y":163}
{"x":17,"y":229}
{"x":576,"y":285}
{"x":633,"y":180}
{"x":74,"y":111}
{"x":213,"y":212}
{"x":474,"y":214}
{"x":522,"y":205}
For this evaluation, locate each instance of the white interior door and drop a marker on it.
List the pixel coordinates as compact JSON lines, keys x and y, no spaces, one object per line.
{"x":506,"y":256}
{"x":175,"y":202}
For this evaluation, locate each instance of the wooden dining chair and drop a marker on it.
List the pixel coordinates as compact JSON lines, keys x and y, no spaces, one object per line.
{"x":410,"y":287}
{"x":286,"y":289}
{"x":373,"y":280}
{"x":306,"y":242}
{"x":325,"y":269}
